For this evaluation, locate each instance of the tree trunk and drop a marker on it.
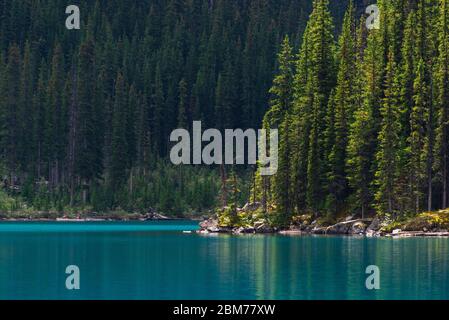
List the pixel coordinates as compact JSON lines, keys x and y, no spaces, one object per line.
{"x":444,"y":184}
{"x":429,"y":198}
{"x":254,"y":185}
{"x":72,"y":135}
{"x":223,"y":185}
{"x":363,"y":211}
{"x":264,"y":196}
{"x":131,"y":182}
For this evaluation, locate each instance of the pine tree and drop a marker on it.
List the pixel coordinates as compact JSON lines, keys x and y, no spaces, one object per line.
{"x":143,"y":132}
{"x":10,"y":107}
{"x":88,"y":166}
{"x":344,"y":104}
{"x":183,"y":110}
{"x":282,"y":89}
{"x":442,"y":79}
{"x":278,"y":118}
{"x":387,"y":156}
{"x":313,"y":85}
{"x":158,"y":113}
{"x":417,"y":136}
{"x":131,"y":119}
{"x":39,"y":103}
{"x":425,"y":49}
{"x":364,"y":130}
{"x":27,"y":143}
{"x":408,"y":71}
{"x":56,"y":117}
{"x":119,"y":144}
{"x":314,"y":163}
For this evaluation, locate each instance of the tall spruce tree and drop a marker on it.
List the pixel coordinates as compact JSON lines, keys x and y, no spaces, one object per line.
{"x":442,"y":81}
{"x":389,"y":144}
{"x":344,"y":104}
{"x":57,"y":118}
{"x":417,"y":136}
{"x":88,"y":166}
{"x":119,"y":161}
{"x":279,"y":118}
{"x":10,"y":111}
{"x":364,"y":130}
{"x":314,"y":81}
{"x":27,"y":83}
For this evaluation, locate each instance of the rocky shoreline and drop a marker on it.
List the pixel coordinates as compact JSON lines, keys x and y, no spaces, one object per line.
{"x":368,"y":227}
{"x":358,"y":227}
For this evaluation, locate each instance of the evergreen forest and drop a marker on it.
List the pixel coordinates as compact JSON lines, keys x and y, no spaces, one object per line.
{"x":362,"y":113}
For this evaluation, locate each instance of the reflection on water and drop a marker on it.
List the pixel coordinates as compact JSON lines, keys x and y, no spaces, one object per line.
{"x":159,"y":261}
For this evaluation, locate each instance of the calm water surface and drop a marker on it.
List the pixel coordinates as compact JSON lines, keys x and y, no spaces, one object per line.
{"x":158,"y":261}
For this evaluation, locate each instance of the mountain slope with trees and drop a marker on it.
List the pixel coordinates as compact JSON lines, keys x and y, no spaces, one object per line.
{"x":86,"y":114}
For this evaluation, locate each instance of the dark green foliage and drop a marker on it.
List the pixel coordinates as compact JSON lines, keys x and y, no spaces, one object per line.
{"x":86,"y":115}
{"x":368,"y":132}
{"x":343,"y":106}
{"x":442,"y":79}
{"x":279,"y":117}
{"x":119,"y":143}
{"x":389,"y":146}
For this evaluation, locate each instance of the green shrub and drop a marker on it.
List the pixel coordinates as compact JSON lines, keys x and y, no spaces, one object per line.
{"x":228,"y":218}
{"x":326,"y":221}
{"x":392,"y":226}
{"x":429,"y":221}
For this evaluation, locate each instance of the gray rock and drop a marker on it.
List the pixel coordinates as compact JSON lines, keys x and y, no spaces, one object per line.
{"x":349,"y":227}
{"x":318,"y":230}
{"x":339,"y":228}
{"x":213,"y":229}
{"x":375,"y":225}
{"x":262,"y":226}
{"x":371,"y":234}
{"x":241,"y":230}
{"x":358,"y":228}
{"x":265,"y":229}
{"x":210,"y":223}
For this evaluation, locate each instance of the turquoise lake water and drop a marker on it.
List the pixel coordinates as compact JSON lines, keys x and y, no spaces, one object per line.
{"x":154,"y":260}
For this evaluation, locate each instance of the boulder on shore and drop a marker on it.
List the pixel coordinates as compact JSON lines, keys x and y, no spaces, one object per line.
{"x":358,"y":228}
{"x":353,"y":227}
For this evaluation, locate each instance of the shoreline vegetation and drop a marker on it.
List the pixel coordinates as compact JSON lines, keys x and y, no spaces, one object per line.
{"x":251,"y":220}
{"x":91,"y":217}
{"x":428,"y":224}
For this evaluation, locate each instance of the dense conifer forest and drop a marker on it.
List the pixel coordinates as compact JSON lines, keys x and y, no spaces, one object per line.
{"x":86,"y":114}
{"x":363,"y":113}
{"x":363,"y":117}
